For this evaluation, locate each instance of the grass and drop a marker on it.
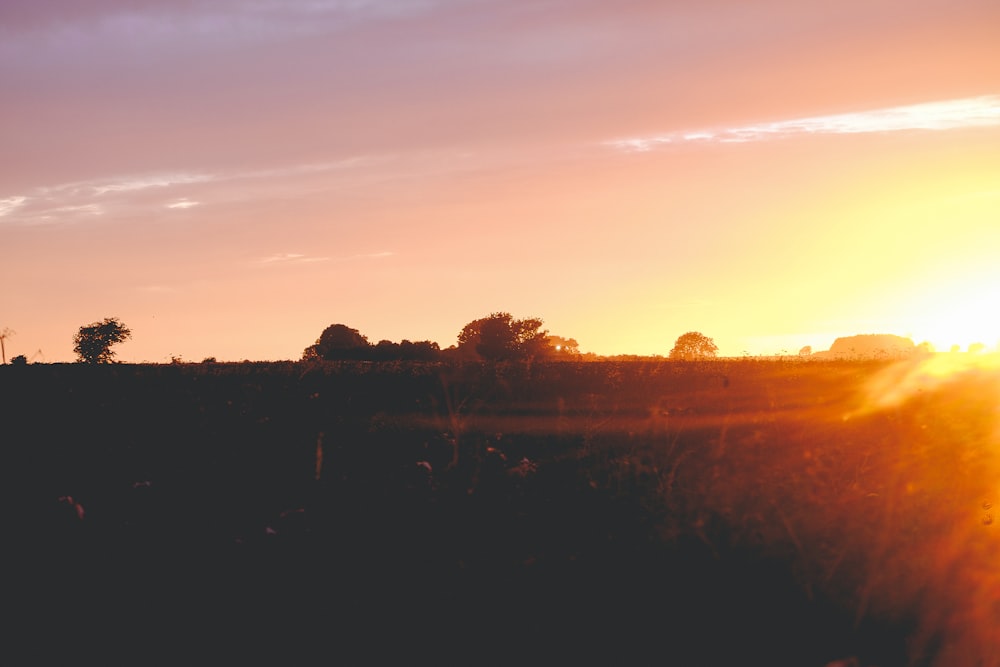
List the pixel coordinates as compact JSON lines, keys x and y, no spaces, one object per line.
{"x":768,"y":512}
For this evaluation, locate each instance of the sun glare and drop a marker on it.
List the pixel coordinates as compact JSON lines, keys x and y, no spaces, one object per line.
{"x":953,"y":313}
{"x":908,"y":379}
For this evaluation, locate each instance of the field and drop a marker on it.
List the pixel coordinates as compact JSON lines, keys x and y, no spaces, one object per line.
{"x":674,"y":513}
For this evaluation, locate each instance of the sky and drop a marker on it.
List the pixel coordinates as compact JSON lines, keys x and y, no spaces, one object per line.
{"x":230,"y":177}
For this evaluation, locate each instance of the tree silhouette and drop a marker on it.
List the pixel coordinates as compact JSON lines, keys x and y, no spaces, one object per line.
{"x":406,"y":350}
{"x":92,"y":343}
{"x":5,"y":333}
{"x":563,"y":347}
{"x":693,"y":345}
{"x":500,"y":337}
{"x":338,"y":341}
{"x":421,"y":350}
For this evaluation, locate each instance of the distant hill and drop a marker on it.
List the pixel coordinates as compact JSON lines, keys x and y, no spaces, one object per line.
{"x":869,"y":346}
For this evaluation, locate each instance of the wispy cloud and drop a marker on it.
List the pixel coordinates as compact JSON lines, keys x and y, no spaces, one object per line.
{"x":291,"y":258}
{"x":135,"y":183}
{"x":287,"y":258}
{"x":10,"y":204}
{"x":983,"y":111}
{"x":26,"y":211}
{"x":131,"y":185}
{"x":122,"y":184}
{"x":64,"y":202}
{"x":92,"y":209}
{"x":373,"y":255}
{"x":307,"y":168}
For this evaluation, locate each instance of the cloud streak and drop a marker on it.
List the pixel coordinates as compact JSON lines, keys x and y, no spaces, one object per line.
{"x":65,"y":202}
{"x":971,"y":112}
{"x":289,"y":258}
{"x":11,"y":204}
{"x":133,"y":185}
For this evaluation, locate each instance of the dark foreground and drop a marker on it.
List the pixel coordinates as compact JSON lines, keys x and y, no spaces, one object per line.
{"x":726,"y":513}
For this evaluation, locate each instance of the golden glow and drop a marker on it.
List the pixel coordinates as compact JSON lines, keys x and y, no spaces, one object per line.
{"x":945,"y":461}
{"x":909,"y":379}
{"x":962,"y":313}
{"x":794,"y":191}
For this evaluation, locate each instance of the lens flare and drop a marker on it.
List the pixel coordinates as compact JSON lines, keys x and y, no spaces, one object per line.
{"x":944,"y":411}
{"x":928,"y":373}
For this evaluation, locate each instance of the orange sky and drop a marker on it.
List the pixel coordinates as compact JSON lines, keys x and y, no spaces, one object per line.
{"x":230,"y":177}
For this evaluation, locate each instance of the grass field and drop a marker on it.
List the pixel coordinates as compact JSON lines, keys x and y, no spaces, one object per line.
{"x":706,"y":513}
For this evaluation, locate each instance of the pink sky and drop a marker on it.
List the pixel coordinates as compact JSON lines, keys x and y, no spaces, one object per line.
{"x":229,"y":177}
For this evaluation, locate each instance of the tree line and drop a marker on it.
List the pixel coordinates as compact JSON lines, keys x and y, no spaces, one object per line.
{"x":497,"y":337}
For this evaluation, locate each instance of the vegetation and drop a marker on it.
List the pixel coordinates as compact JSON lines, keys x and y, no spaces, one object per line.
{"x":497,"y":337}
{"x":92,"y":343}
{"x":560,"y":347}
{"x":693,"y":345}
{"x":500,"y":337}
{"x":338,"y":341}
{"x":5,"y":333}
{"x":615,"y":512}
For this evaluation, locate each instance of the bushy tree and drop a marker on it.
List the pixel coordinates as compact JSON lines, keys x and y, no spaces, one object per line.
{"x":693,"y":345}
{"x":560,"y":347}
{"x":499,"y":337}
{"x":92,"y":343}
{"x":338,"y":341}
{"x":423,"y":350}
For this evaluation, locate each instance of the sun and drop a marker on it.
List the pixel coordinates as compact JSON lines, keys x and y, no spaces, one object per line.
{"x":966,"y":322}
{"x":956,"y":307}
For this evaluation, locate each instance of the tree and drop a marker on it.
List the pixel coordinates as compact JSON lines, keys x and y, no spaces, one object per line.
{"x":5,"y":333}
{"x":693,"y":345}
{"x":19,"y":360}
{"x":563,"y":347}
{"x":385,"y":350}
{"x":338,"y":341}
{"x":421,"y":350}
{"x":500,"y":337}
{"x":92,"y":343}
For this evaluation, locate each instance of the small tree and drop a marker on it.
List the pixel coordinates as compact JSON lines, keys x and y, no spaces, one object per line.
{"x":501,"y":337}
{"x":338,"y":341}
{"x":92,"y":343}
{"x":5,"y":333}
{"x":693,"y":345}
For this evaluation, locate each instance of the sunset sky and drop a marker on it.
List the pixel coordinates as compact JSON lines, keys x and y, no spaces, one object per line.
{"x":229,"y":177}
